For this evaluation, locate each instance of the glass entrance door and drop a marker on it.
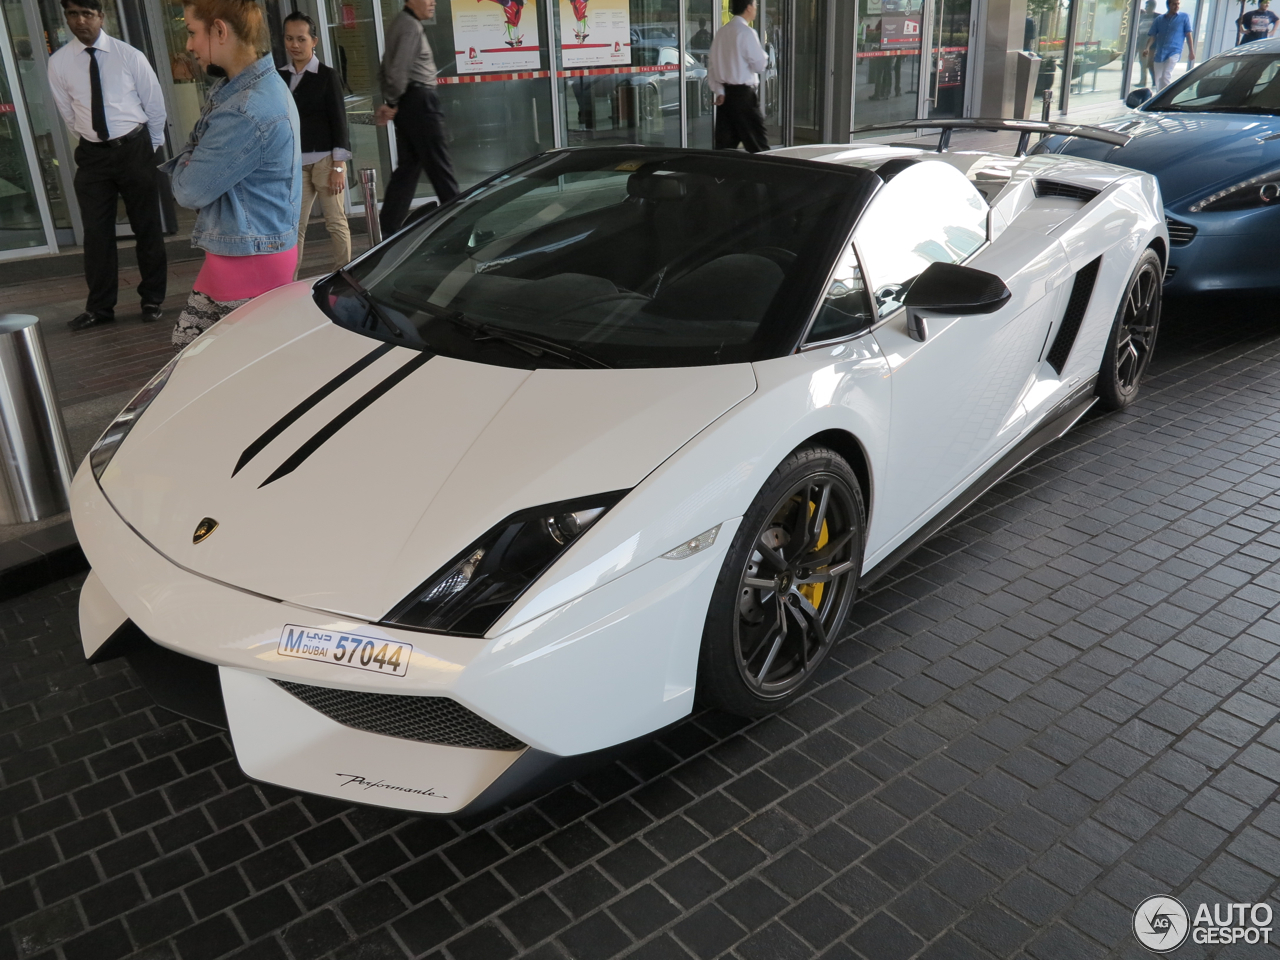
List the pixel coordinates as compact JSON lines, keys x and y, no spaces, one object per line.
{"x":887,"y":61}
{"x":773,"y":23}
{"x":809,"y":88}
{"x":1097,"y":62}
{"x":949,"y":58}
{"x":25,"y":225}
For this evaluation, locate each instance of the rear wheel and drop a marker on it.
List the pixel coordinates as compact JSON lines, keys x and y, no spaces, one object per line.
{"x":786,"y":586}
{"x":649,"y":103}
{"x":1133,"y":335}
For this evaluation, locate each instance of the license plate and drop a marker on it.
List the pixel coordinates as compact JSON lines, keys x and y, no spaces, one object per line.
{"x":387,"y":657}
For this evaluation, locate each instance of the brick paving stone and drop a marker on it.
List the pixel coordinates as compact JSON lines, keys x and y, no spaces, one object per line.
{"x":1060,"y":706}
{"x":122,"y":356}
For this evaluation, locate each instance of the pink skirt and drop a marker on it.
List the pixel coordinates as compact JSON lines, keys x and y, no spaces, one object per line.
{"x":225,"y":279}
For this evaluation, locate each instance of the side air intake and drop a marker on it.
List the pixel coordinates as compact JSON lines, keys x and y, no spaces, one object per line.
{"x":1081,"y":292}
{"x":426,"y":719}
{"x":1180,"y":234}
{"x":1069,"y":191}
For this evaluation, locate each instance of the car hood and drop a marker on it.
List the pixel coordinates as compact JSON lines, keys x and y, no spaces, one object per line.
{"x":358,"y":496}
{"x":1191,"y":154}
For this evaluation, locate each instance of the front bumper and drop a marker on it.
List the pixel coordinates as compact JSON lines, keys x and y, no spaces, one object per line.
{"x":600,"y":670}
{"x":1223,"y":254}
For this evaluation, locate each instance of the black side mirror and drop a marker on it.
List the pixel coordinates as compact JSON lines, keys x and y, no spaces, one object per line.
{"x":1137,"y":98}
{"x":951,"y":288}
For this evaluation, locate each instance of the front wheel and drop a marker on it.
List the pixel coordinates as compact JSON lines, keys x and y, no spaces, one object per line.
{"x":1133,"y":335}
{"x":786,"y":586}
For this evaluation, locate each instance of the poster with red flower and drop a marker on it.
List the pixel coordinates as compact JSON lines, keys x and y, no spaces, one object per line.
{"x":495,"y":35}
{"x":595,"y":33}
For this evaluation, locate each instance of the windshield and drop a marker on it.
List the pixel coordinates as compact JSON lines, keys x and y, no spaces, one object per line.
{"x":1234,"y":84}
{"x":615,"y":257}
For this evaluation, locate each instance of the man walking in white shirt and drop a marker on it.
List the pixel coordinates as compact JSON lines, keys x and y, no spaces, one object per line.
{"x":733,"y":70}
{"x":109,"y":96}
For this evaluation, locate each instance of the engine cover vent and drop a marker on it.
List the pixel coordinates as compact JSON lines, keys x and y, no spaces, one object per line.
{"x":1180,"y":234}
{"x":1068,"y":191}
{"x":425,"y":719}
{"x":1081,"y":292}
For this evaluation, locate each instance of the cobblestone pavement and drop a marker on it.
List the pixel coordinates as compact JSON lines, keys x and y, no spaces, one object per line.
{"x":1062,"y":705}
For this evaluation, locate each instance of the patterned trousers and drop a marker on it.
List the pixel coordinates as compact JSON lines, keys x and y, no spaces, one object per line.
{"x":200,"y":313}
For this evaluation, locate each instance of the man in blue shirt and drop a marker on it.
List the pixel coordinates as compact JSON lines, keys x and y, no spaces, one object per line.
{"x":1164,"y":43}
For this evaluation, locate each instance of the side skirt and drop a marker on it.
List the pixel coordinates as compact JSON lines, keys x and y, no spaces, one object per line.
{"x":1056,"y":423}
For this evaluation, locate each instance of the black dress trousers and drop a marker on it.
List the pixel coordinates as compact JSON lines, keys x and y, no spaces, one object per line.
{"x":739,"y":120}
{"x":103,"y":175}
{"x":420,"y":143}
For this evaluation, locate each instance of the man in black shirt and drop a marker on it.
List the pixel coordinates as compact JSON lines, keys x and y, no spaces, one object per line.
{"x":1257,"y":24}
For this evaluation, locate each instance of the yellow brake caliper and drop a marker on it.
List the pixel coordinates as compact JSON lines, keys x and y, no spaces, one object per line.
{"x":813,"y":591}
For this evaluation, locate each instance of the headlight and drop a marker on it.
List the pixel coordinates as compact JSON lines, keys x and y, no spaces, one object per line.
{"x":467,"y":595}
{"x":1260,"y":191}
{"x":114,"y":435}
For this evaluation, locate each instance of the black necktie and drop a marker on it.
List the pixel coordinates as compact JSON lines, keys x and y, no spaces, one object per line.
{"x":97,"y":109}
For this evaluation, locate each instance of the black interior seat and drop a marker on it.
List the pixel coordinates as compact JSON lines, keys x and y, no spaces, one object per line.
{"x":735,"y":287}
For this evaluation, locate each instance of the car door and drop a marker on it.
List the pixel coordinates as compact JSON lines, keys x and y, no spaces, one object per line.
{"x":954,"y":393}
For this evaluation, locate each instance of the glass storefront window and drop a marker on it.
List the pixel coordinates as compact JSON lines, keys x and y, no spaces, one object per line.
{"x":21,"y":225}
{"x":699,"y":28}
{"x":33,"y":85}
{"x":501,"y":115}
{"x":887,"y":71}
{"x":619,"y":71}
{"x":1047,"y":35}
{"x":1102,"y":37}
{"x":353,"y":51}
{"x":190,"y":84}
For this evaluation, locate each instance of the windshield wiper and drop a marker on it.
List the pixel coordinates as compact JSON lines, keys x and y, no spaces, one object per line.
{"x":373,"y":308}
{"x":530,"y":343}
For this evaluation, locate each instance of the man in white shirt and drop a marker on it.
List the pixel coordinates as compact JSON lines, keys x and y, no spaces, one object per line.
{"x":109,"y":96}
{"x":733,"y":69}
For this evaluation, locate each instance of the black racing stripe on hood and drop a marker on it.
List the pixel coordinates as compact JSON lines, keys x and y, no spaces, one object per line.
{"x":285,"y":422}
{"x":323,"y":435}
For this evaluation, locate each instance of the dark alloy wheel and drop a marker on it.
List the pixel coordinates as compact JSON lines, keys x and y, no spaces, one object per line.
{"x":786,"y":586}
{"x":1133,"y":335}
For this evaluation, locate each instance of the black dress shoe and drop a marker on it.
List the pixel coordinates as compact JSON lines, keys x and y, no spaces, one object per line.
{"x":87,"y":320}
{"x":151,"y":312}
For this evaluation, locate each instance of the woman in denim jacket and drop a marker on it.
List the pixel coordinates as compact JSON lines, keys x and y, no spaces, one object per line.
{"x":241,"y":167}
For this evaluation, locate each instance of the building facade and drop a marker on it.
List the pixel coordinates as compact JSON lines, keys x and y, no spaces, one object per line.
{"x":517,"y":78}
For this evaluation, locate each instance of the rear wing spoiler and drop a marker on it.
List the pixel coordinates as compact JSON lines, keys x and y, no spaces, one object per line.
{"x":1023,"y":127}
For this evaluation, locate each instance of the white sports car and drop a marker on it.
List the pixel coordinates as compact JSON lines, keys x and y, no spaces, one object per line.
{"x":619,"y":428}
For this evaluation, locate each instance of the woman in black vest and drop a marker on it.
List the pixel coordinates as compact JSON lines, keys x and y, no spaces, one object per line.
{"x":317,"y":91}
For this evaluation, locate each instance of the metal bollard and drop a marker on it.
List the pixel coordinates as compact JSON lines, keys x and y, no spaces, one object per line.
{"x":1047,"y":108}
{"x":369,"y":182}
{"x":35,"y":462}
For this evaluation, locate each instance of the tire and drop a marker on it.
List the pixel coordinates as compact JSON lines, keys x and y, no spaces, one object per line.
{"x":648,"y":103}
{"x":1133,"y":335}
{"x":762,"y":645}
